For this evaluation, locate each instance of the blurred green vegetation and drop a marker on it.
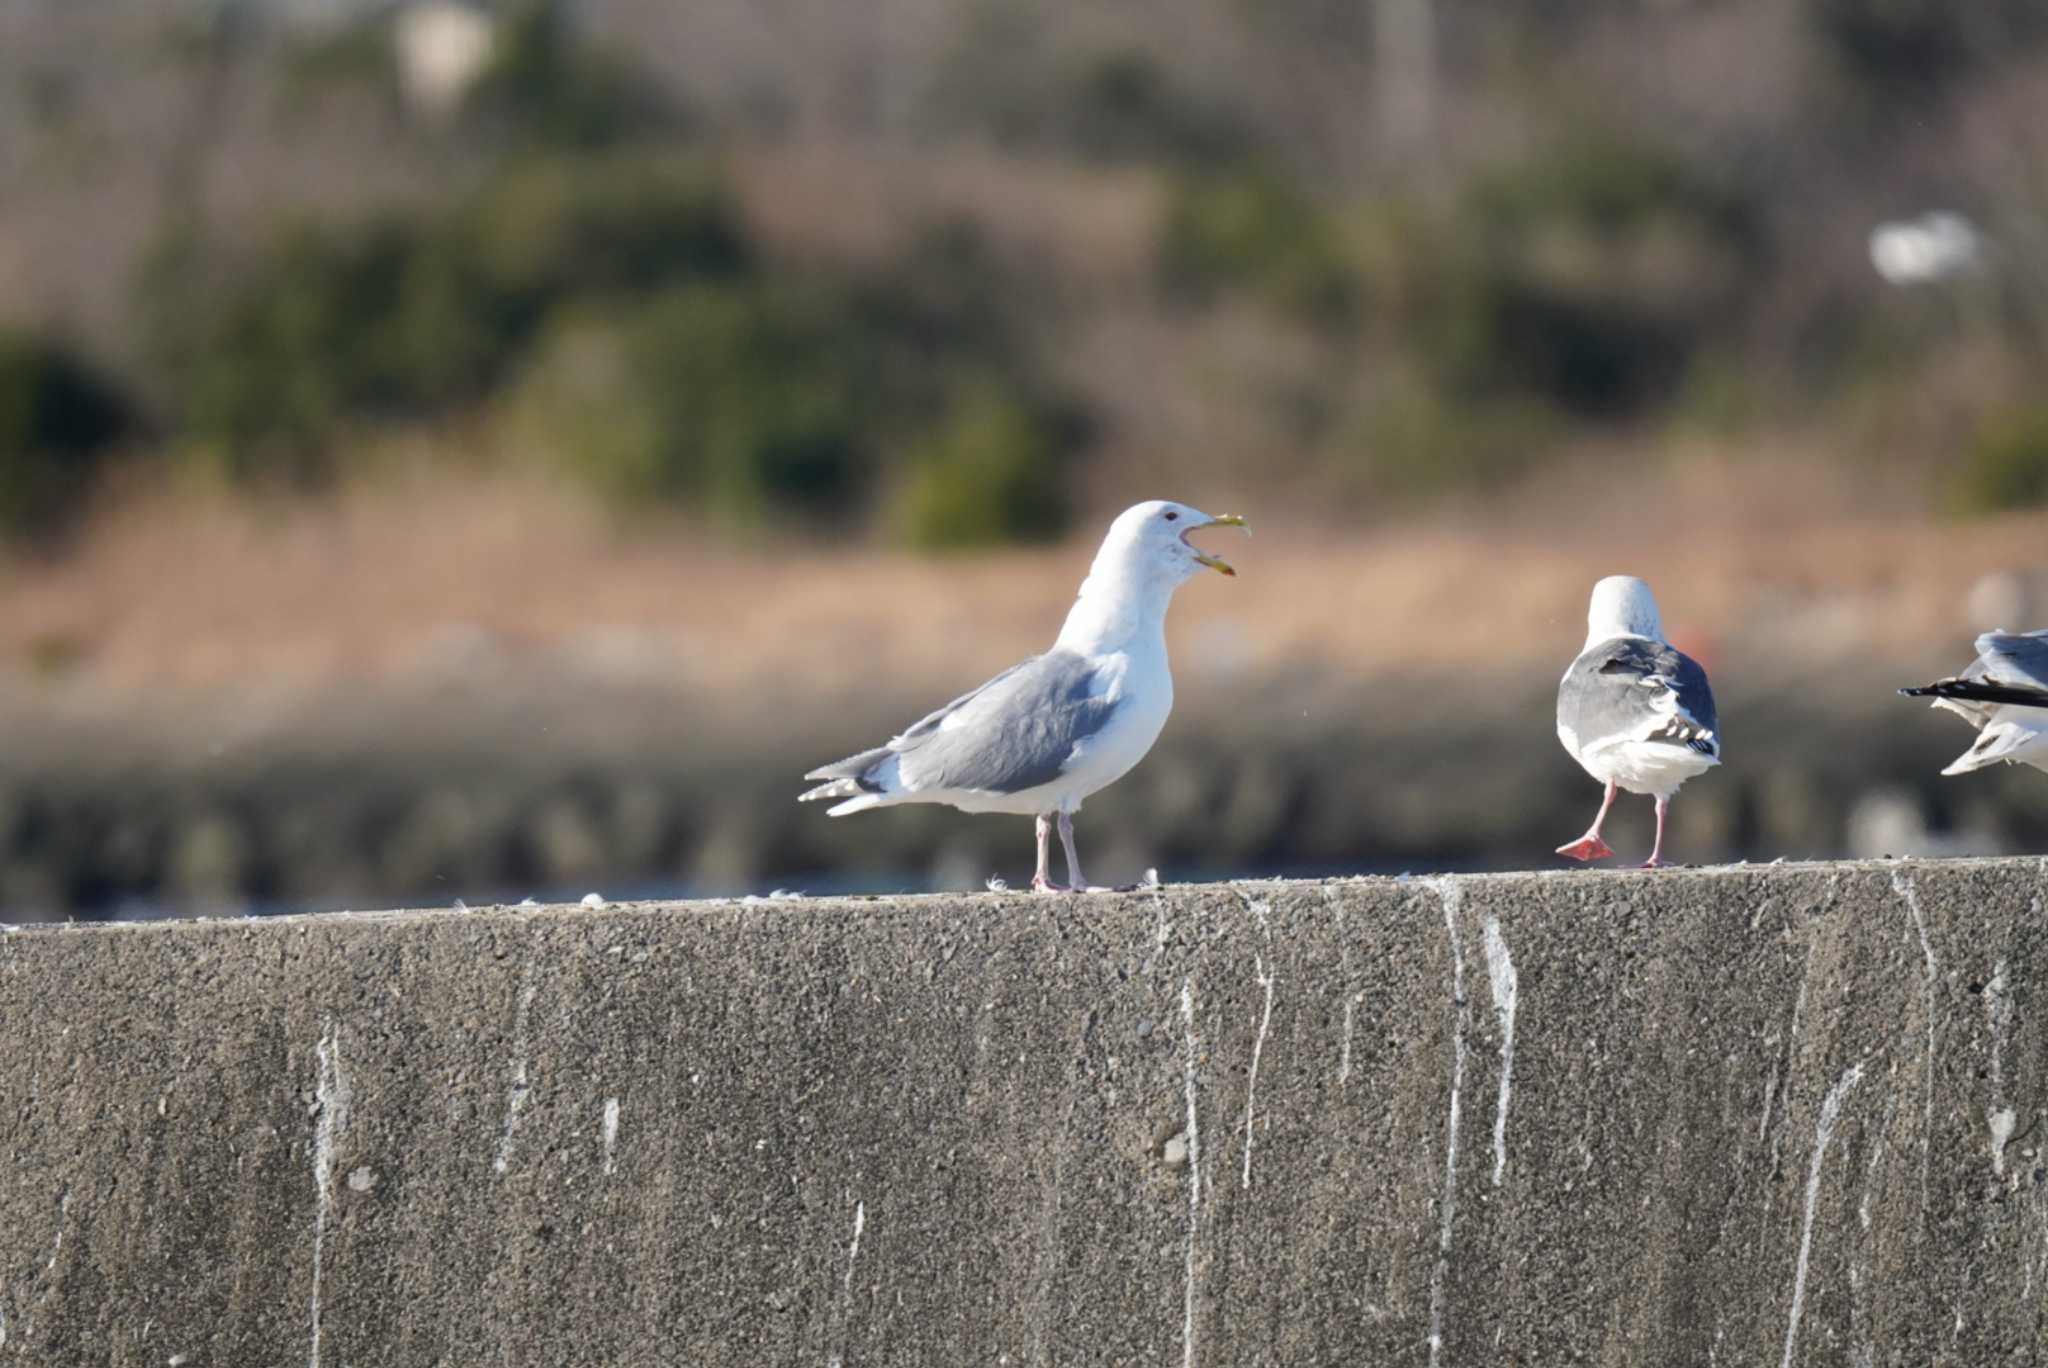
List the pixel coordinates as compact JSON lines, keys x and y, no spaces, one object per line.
{"x":990,"y":472}
{"x":1009,"y":77}
{"x":1581,"y":285}
{"x":403,"y":319}
{"x":1251,"y":230}
{"x":740,"y":398}
{"x":543,"y":88}
{"x":2005,"y":464}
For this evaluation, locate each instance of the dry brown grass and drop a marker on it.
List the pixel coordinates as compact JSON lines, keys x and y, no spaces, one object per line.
{"x":416,"y":579}
{"x":843,"y":203}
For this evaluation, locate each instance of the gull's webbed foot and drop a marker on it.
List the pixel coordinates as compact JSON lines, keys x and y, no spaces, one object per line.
{"x":1587,"y":847}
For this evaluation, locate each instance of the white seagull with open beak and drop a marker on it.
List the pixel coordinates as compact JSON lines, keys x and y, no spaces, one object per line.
{"x":1042,"y":736}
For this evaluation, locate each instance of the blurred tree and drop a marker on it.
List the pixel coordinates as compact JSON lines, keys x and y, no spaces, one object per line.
{"x":406,"y":319}
{"x":991,"y":472}
{"x":1892,"y":44}
{"x":742,"y":400}
{"x":543,"y":87}
{"x":1590,"y":277}
{"x":1253,"y":229}
{"x":57,"y":419}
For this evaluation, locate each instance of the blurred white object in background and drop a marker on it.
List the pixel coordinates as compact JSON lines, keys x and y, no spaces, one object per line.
{"x":1935,"y":246}
{"x":442,"y":47}
{"x":1889,"y":821}
{"x":1997,"y":602}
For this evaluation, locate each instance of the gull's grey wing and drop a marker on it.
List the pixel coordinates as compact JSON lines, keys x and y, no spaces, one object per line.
{"x":2010,"y":668}
{"x":1632,"y":688}
{"x":1015,"y":732}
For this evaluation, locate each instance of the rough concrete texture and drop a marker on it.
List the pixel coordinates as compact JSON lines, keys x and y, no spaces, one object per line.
{"x":1785,"y":1115}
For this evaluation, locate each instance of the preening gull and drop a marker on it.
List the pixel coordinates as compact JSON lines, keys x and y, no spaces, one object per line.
{"x":2004,"y":694}
{"x":1633,"y":709}
{"x":1042,"y":736}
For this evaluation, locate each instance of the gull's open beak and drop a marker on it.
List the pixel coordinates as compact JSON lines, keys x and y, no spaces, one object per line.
{"x":1216,"y":563}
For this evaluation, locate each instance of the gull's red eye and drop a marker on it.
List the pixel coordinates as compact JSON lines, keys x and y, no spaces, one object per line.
{"x":1172,"y":516}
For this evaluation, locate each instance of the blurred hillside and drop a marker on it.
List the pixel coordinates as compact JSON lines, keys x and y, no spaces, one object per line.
{"x":473,"y":449}
{"x":952,"y":273}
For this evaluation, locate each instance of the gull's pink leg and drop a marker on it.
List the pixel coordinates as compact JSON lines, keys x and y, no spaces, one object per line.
{"x":1590,"y":846}
{"x":1041,"y":881}
{"x":1657,"y":848}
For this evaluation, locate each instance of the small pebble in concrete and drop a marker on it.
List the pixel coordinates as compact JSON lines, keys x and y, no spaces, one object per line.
{"x":593,"y":900}
{"x":363,"y":1179}
{"x":1176,"y":1152}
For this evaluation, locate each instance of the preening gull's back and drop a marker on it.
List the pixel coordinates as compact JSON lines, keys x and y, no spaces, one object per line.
{"x":1634,"y":710}
{"x":2004,"y":694}
{"x":1636,"y":690}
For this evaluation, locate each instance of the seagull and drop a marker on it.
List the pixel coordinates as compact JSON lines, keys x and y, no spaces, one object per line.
{"x":1042,"y":736}
{"x":2004,"y":694}
{"x":1633,"y":709}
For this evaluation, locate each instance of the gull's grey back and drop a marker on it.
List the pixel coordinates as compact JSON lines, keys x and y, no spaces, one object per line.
{"x":1616,"y":688}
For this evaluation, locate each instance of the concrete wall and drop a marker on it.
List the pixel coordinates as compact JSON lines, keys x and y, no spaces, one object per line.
{"x":1783,"y":1115}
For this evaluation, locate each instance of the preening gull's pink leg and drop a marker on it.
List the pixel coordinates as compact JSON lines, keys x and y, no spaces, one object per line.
{"x":1590,"y":846}
{"x":1657,"y":849}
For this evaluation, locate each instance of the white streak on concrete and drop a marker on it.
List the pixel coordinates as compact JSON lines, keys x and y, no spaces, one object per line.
{"x":57,"y":1245}
{"x":1262,"y":911}
{"x":516,"y":1092}
{"x":1451,"y":896}
{"x":1251,"y":1087}
{"x":1904,"y":887}
{"x":1792,"y":1057}
{"x":860,"y":1221}
{"x":1876,"y":1162}
{"x":1823,"y":1131}
{"x":1763,"y":1126}
{"x":1500,"y":973}
{"x":1351,"y":996}
{"x":1163,"y":934}
{"x":1344,"y":1057}
{"x":331,"y":1095}
{"x":2002,"y":1123}
{"x":1998,"y":1016}
{"x":1863,"y":1354}
{"x":1187,"y":1023}
{"x":611,"y":1134}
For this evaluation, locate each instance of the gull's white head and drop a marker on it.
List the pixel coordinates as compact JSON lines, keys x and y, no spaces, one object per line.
{"x":1148,"y":543}
{"x":1622,"y":606}
{"x":1143,"y":559}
